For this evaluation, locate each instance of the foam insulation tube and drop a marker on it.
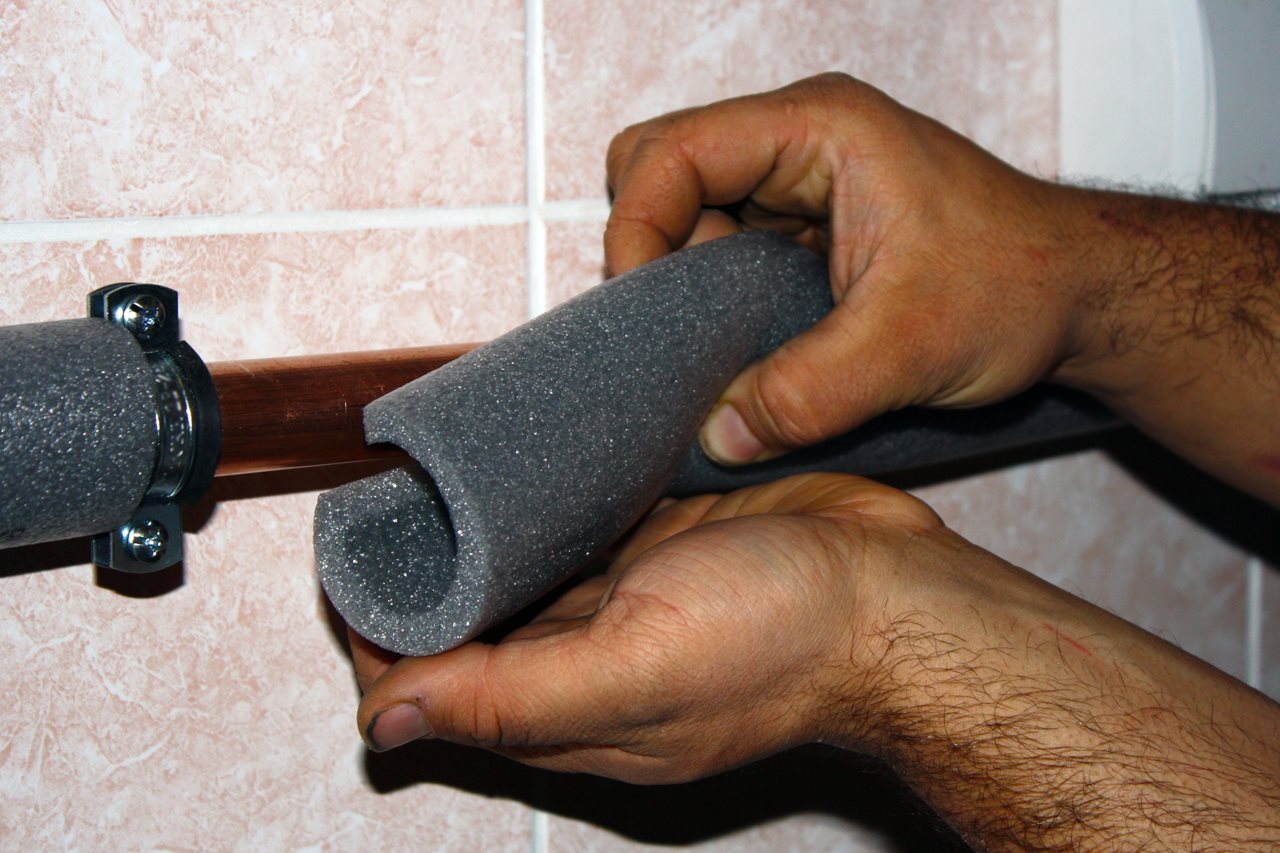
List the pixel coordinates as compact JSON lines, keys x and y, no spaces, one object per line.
{"x":539,"y":449}
{"x":78,"y":433}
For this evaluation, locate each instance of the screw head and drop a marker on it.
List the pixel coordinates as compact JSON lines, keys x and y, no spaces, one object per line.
{"x":143,"y":316}
{"x":146,"y":540}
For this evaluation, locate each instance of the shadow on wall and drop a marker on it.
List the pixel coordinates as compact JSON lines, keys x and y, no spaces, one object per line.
{"x":810,"y":780}
{"x":1237,"y":518}
{"x":1244,"y":521}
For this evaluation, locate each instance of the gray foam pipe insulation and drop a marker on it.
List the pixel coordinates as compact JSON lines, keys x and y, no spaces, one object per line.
{"x":538,"y":450}
{"x":77,"y":429}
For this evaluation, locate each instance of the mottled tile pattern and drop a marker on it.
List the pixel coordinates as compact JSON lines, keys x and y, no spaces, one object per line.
{"x":261,"y":295}
{"x":1085,"y":524}
{"x":214,"y":709}
{"x":140,"y":108}
{"x":219,"y":715}
{"x":988,"y":69}
{"x":575,"y":258}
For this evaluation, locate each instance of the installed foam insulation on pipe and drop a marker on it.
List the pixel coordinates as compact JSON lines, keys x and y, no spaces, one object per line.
{"x":544,"y":446}
{"x":78,"y":433}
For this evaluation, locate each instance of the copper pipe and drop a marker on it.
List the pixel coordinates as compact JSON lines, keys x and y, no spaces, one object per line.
{"x":295,"y":412}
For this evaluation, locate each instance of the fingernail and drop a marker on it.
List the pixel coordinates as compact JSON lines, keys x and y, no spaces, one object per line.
{"x":396,"y":726}
{"x":726,"y":437}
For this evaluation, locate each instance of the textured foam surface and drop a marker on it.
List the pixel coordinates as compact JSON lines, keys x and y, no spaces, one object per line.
{"x":77,"y":429}
{"x":544,"y":446}
{"x":913,"y":438}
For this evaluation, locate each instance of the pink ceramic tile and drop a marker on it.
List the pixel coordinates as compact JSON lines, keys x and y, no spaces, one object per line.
{"x":987,"y":69}
{"x":159,"y":108}
{"x":1270,"y":650}
{"x":220,"y":715}
{"x":575,"y":258}
{"x":217,"y":716}
{"x":799,"y":832}
{"x":290,"y":294}
{"x":1087,"y":525}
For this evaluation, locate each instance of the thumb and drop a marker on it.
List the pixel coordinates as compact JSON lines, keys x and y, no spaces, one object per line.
{"x":533,"y":692}
{"x":854,"y":364}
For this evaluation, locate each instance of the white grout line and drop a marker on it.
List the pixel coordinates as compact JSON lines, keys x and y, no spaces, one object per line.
{"x":88,"y":230}
{"x":1253,"y":624}
{"x":578,"y":210}
{"x":537,"y":290}
{"x":298,"y":222}
{"x":535,"y":156}
{"x":535,"y":152}
{"x":541,"y":842}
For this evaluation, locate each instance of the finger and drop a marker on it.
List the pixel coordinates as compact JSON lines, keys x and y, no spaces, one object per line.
{"x":546,"y":627}
{"x":370,"y":660}
{"x":581,"y":600}
{"x":547,"y":691}
{"x":801,"y":229}
{"x":661,"y":525}
{"x":839,"y":496}
{"x":665,"y":171}
{"x":662,"y":504}
{"x":712,"y":225}
{"x":864,"y":358}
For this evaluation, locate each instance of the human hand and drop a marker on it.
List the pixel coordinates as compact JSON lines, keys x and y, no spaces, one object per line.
{"x":828,"y":608}
{"x":945,"y":262}
{"x":728,"y":628}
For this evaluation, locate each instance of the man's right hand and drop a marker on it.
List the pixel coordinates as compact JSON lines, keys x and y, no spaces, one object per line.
{"x":960,"y":281}
{"x":941,"y":256}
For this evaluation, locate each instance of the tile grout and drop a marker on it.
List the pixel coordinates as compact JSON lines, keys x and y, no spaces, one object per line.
{"x":296,"y":222}
{"x":1253,"y":623}
{"x":536,"y":250}
{"x":213,"y":225}
{"x":576,"y":210}
{"x":535,"y":158}
{"x":539,"y":840}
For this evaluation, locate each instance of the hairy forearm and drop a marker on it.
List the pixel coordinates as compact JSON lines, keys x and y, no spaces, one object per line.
{"x":1031,"y":720}
{"x":1178,"y":325}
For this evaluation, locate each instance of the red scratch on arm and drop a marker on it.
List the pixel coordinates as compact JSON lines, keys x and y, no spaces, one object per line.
{"x":1074,"y":644}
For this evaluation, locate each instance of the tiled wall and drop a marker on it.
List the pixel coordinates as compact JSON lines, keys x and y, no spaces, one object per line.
{"x":329,"y":176}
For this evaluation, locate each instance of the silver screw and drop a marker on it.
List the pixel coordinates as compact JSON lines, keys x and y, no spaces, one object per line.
{"x":146,"y":540}
{"x":143,"y":315}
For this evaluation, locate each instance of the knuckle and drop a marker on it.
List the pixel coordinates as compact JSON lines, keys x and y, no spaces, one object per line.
{"x":480,"y":724}
{"x":784,"y":401}
{"x":619,"y":153}
{"x":917,"y":513}
{"x":614,"y":228}
{"x":633,"y":140}
{"x":835,"y":80}
{"x":485,"y":719}
{"x":904,"y":508}
{"x":835,"y":86}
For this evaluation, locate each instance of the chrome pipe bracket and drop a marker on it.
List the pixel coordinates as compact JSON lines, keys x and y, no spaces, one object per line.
{"x":188,"y":428}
